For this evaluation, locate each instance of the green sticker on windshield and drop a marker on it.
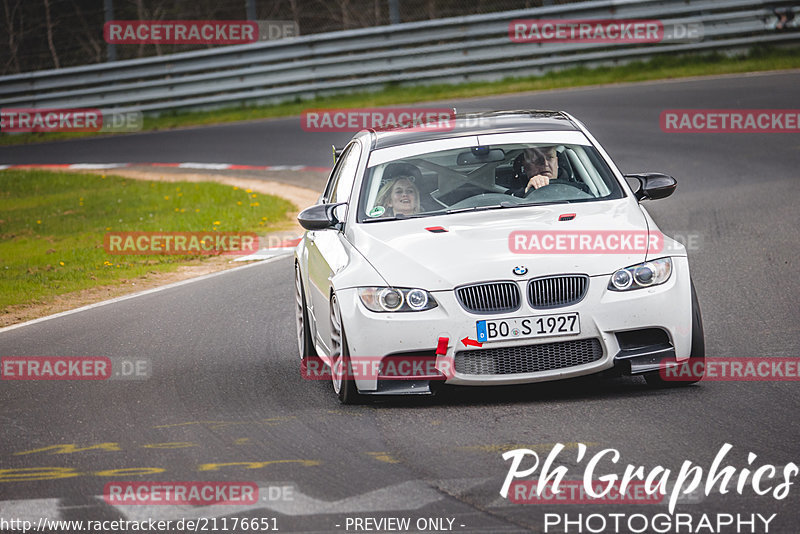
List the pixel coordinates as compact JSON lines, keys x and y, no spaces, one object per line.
{"x":377,"y":211}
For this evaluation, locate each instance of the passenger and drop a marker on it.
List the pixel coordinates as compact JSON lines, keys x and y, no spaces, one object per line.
{"x":399,"y":196}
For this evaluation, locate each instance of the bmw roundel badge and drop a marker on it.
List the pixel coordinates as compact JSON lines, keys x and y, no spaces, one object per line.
{"x":520,"y":270}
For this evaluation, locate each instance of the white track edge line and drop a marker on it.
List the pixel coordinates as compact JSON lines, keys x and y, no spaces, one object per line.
{"x":139,"y":294}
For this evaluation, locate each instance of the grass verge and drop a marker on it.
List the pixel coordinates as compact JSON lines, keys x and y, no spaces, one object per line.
{"x":660,"y":67}
{"x":52,"y":227}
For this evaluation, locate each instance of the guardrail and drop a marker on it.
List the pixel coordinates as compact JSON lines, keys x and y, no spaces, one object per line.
{"x":450,"y":50}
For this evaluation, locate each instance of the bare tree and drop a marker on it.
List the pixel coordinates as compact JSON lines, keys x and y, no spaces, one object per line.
{"x":13,"y":38}
{"x":53,"y":53}
{"x":140,"y":14}
{"x":344,"y":8}
{"x":431,"y":9}
{"x":88,"y":41}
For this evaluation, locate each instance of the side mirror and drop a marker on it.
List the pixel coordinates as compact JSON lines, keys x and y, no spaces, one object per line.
{"x":319,"y":217}
{"x":654,"y":185}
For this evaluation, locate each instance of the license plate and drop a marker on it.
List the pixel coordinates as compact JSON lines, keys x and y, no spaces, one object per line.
{"x":563,"y":324}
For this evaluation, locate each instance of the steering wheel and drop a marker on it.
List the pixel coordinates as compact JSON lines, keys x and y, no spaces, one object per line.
{"x":557,"y":185}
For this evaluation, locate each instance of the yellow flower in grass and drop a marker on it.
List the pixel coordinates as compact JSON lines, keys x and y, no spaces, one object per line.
{"x":248,"y":190}
{"x":217,"y":222}
{"x":39,"y":221}
{"x":253,"y":195}
{"x":61,"y":263}
{"x":238,"y":202}
{"x":166,"y":197}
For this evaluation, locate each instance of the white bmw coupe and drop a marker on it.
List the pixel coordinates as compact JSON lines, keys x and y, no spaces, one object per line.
{"x":505,"y":248}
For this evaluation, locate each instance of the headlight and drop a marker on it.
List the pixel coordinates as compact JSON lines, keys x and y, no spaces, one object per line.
{"x":649,"y":273}
{"x":391,"y":299}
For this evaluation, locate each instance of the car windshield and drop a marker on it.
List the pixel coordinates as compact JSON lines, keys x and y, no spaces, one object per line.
{"x":484,"y":177}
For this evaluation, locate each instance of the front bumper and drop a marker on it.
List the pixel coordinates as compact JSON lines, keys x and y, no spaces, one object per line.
{"x":646,"y":359}
{"x":603,"y":315}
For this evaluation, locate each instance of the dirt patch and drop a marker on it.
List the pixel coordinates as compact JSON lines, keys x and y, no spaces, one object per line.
{"x":299,"y":196}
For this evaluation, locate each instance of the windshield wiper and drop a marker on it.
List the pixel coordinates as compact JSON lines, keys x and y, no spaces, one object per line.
{"x":504,"y":204}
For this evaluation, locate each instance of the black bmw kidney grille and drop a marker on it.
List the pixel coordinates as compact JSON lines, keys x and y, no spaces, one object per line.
{"x":490,"y":297}
{"x":557,"y":291}
{"x":528,"y":358}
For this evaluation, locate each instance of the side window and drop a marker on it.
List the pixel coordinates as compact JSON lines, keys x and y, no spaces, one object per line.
{"x":341,"y":182}
{"x":337,"y":168}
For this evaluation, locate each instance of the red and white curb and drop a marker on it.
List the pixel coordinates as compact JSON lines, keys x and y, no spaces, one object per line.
{"x":185,"y":165}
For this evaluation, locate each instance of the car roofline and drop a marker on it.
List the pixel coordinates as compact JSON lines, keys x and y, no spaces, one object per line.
{"x":526,"y":120}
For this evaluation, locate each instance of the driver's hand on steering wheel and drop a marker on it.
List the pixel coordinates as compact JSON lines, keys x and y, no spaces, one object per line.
{"x":540,"y":180}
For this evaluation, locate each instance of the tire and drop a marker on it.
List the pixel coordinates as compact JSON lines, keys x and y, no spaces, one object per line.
{"x":305,"y":343}
{"x":697,"y":353}
{"x":343,"y":385}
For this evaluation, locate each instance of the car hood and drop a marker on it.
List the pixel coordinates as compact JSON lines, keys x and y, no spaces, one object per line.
{"x":475,"y":246}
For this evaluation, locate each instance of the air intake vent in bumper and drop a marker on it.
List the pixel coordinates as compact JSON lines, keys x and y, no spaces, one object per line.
{"x":528,"y":358}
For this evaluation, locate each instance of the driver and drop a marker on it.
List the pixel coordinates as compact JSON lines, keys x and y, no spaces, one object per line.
{"x":538,"y":165}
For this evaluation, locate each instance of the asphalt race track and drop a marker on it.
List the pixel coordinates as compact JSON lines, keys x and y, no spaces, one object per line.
{"x":225,"y":401}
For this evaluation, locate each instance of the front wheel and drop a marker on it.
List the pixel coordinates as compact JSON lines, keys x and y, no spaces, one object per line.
{"x":697,"y":354}
{"x":344,"y":384}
